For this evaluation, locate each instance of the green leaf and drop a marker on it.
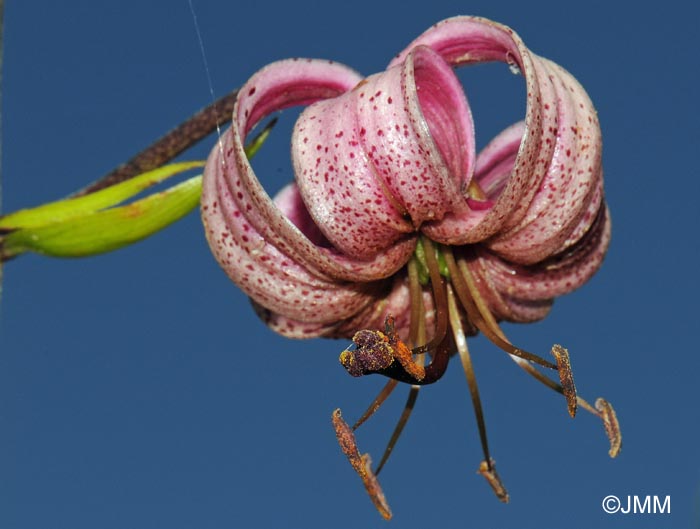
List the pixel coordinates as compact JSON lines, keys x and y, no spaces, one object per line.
{"x":94,"y":223}
{"x":110,"y":229}
{"x":61,"y":210}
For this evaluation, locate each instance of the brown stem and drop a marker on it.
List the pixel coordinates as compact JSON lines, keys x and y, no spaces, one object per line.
{"x":179,"y":139}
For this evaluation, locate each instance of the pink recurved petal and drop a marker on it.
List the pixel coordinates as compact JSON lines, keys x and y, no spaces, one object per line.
{"x":395,"y":302}
{"x":345,"y":197}
{"x":557,"y":275}
{"x":392,"y":297}
{"x":573,"y":175}
{"x":495,"y":162}
{"x":277,"y":86}
{"x":471,"y":40}
{"x":589,"y":216}
{"x":291,"y":328}
{"x":502,"y":305}
{"x":269,"y":276}
{"x":494,"y":167}
{"x":556,"y":168}
{"x":378,"y":161}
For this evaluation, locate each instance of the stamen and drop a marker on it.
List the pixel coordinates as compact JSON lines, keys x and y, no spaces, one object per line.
{"x":612,"y":427}
{"x":488,"y":470}
{"x":376,"y":403}
{"x":400,"y":425}
{"x":478,"y":312}
{"x":416,"y":335}
{"x":530,"y":370}
{"x":469,"y":296}
{"x":361,"y":464}
{"x":566,"y":377}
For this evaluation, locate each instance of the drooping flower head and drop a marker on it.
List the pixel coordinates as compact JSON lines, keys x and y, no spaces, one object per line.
{"x":395,"y":233}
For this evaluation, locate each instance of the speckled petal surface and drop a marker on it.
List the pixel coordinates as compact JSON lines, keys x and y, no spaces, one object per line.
{"x":558,"y":274}
{"x":380,"y":160}
{"x":275,"y":87}
{"x":265,"y":273}
{"x":556,"y":168}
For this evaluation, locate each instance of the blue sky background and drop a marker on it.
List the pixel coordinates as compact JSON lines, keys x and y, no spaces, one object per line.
{"x":138,"y":389}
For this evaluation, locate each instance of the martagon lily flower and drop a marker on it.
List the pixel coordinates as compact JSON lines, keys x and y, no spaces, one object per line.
{"x":395,"y":234}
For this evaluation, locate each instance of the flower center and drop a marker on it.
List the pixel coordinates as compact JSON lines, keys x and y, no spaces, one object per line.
{"x":458,"y":310}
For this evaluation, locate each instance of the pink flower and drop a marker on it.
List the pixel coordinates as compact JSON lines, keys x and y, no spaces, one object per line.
{"x":374,"y":171}
{"x":392,"y":213}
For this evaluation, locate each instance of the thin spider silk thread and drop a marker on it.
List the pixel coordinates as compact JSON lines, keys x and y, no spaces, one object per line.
{"x":207,"y":72}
